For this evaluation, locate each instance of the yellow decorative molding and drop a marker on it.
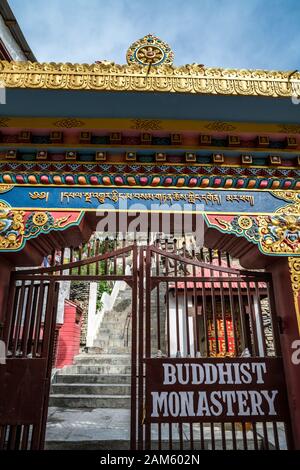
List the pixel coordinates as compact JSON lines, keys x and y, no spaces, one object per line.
{"x":280,"y":232}
{"x":11,"y":228}
{"x":108,"y":76}
{"x":289,"y":196}
{"x":4,"y":188}
{"x":294,"y":265}
{"x":149,"y":125}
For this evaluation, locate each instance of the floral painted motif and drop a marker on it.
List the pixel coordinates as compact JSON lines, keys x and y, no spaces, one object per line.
{"x":243,"y":226}
{"x":18,"y":226}
{"x":11,"y":229}
{"x":280,"y":234}
{"x":43,"y":222}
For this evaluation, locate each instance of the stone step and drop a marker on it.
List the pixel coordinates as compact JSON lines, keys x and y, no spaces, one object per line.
{"x":88,"y":445}
{"x":97,"y":369}
{"x":119,"y":339}
{"x":101,"y":344}
{"x":107,"y":429}
{"x":94,"y":350}
{"x":90,"y":401}
{"x":109,"y":342}
{"x":164,"y":445}
{"x":118,"y":317}
{"x":90,"y":379}
{"x":109,"y":324}
{"x":117,"y":350}
{"x":116,"y":335}
{"x":103,"y":359}
{"x":90,"y":389}
{"x":114,"y":328}
{"x":109,"y":331}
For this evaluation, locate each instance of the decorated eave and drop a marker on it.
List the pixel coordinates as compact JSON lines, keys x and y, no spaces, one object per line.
{"x":74,"y":136}
{"x":42,"y":89}
{"x":208,"y":127}
{"x":232,"y":134}
{"x":108,"y":76}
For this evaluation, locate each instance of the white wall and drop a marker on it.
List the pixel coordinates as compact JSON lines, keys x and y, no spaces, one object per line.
{"x":95,"y":316}
{"x":182,"y":326}
{"x":64,"y":293}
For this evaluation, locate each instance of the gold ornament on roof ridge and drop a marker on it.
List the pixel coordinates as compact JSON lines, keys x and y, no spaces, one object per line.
{"x":150,"y":50}
{"x":107,"y":76}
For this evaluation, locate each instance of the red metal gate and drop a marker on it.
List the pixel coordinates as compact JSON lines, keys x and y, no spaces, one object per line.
{"x":188,"y":314}
{"x":25,"y":378}
{"x":206,"y":316}
{"x":29,"y":337}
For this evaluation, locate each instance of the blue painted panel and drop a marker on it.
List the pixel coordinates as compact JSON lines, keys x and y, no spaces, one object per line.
{"x":60,"y":103}
{"x":165,"y":200}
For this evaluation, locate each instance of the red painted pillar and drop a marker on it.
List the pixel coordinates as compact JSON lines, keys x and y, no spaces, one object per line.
{"x":285,"y":306}
{"x":68,"y":343}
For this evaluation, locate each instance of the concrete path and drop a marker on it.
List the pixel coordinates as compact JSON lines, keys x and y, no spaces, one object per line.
{"x":109,"y":429}
{"x":99,"y":428}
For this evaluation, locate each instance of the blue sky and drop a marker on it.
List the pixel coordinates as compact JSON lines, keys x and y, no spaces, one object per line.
{"x":225,"y":33}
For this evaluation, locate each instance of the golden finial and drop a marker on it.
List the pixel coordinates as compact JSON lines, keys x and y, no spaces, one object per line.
{"x":149,"y":51}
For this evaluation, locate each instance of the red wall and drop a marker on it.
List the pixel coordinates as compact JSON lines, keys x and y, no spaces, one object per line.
{"x":68,"y":343}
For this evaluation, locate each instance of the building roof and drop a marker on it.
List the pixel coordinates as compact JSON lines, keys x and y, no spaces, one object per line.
{"x":149,"y":68}
{"x":14,"y":27}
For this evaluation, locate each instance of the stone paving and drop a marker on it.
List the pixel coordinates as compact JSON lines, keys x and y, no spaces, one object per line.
{"x":99,"y":428}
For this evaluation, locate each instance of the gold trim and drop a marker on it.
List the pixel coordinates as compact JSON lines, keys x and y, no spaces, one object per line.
{"x":5,"y":188}
{"x":149,"y":125}
{"x":107,"y":76}
{"x":118,"y":188}
{"x":86,"y":209}
{"x":294,"y":265}
{"x":126,"y":186}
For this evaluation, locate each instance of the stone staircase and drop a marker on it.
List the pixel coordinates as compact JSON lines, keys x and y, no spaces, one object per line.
{"x":90,"y":400}
{"x":100,"y":378}
{"x":113,"y":336}
{"x":95,"y":381}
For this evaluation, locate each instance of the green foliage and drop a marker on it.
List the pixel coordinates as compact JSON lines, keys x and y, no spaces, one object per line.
{"x":104,"y":267}
{"x":103,"y":286}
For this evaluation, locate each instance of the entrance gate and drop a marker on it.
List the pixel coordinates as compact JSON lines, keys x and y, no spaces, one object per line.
{"x":187,"y":312}
{"x":204,"y":315}
{"x":29,"y":337}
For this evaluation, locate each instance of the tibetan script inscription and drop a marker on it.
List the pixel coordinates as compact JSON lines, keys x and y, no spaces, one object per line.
{"x":162,"y":198}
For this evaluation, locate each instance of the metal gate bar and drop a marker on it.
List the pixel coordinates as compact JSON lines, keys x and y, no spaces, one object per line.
{"x":29,"y":331}
{"x":219,"y":305}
